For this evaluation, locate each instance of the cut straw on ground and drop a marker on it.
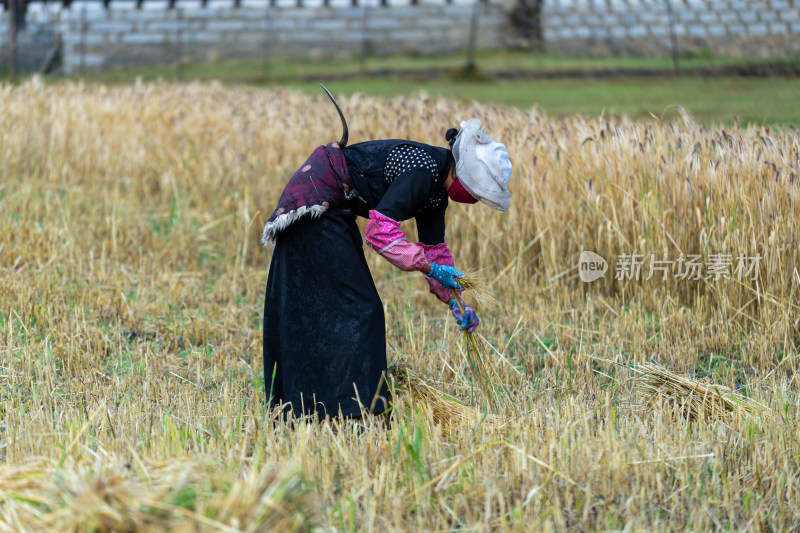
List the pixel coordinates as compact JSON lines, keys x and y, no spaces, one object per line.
{"x":695,"y":399}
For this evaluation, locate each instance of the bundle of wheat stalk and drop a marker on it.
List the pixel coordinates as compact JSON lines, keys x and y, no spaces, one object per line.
{"x":692,"y":398}
{"x":484,"y":375}
{"x":445,"y":409}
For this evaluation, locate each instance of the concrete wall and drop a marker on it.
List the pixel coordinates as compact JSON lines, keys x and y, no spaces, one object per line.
{"x":95,"y":38}
{"x":641,"y":27}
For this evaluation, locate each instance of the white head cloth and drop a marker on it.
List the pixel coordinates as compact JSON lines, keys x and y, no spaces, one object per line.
{"x":482,"y":165}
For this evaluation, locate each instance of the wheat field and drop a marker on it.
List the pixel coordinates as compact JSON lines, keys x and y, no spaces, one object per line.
{"x":131,"y":297}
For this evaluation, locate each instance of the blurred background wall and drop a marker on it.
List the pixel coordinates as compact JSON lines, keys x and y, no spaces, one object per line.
{"x":94,"y":35}
{"x":740,"y":28}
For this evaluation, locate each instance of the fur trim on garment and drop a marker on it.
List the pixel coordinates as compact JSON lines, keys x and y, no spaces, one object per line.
{"x":313,"y":189}
{"x":281,"y":222}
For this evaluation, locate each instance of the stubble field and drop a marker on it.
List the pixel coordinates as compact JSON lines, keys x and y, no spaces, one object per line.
{"x":131,"y":297}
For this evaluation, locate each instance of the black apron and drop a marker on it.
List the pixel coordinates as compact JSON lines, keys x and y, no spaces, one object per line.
{"x":324,"y":332}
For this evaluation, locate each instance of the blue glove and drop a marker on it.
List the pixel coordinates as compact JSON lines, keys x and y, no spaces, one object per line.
{"x":468,"y":320}
{"x":446,"y":275}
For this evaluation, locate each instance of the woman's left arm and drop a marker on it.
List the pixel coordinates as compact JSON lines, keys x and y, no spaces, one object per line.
{"x":430,"y":230}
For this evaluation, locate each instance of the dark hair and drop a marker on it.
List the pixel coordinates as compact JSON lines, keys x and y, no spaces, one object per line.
{"x":450,"y":136}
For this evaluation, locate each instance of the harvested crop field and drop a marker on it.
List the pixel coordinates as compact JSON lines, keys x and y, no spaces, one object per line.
{"x":131,"y":297}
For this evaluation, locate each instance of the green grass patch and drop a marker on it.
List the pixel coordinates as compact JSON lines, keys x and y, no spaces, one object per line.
{"x":770,"y":101}
{"x":729,"y":99}
{"x":284,"y":69}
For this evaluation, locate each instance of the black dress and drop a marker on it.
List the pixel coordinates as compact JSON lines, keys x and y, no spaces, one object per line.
{"x":324,"y":330}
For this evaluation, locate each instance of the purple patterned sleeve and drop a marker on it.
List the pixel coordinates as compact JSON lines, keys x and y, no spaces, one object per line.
{"x":385,"y":237}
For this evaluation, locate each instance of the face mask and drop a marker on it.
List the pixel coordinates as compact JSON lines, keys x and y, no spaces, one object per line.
{"x":458,"y":193}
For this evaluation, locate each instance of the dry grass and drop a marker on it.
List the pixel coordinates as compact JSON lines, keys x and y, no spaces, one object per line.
{"x":131,"y":294}
{"x":181,"y":494}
